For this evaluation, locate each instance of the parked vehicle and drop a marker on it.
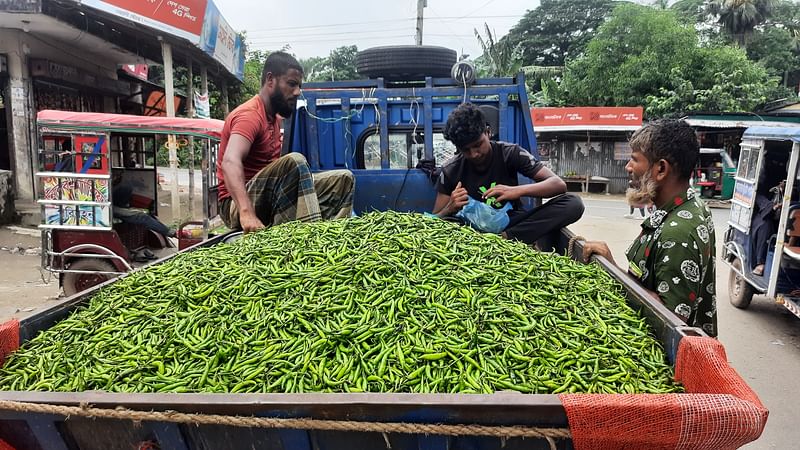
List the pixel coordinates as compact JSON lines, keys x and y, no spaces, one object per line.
{"x":81,"y":155}
{"x":769,"y":155}
{"x":714,"y":174}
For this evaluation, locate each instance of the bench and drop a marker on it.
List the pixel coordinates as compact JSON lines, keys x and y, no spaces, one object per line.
{"x":585,"y":181}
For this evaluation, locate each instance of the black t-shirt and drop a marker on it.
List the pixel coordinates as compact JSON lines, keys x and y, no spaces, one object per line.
{"x":507,"y":161}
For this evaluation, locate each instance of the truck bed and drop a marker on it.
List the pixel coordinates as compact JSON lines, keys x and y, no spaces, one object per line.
{"x":50,"y":431}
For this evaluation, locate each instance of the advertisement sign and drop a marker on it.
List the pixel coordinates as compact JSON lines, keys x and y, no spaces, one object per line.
{"x":219,"y":40}
{"x":137,"y":70}
{"x":587,"y":117}
{"x":182,"y":18}
{"x":201,"y":107}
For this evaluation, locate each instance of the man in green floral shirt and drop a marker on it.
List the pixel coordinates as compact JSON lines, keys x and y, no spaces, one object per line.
{"x":674,"y":255}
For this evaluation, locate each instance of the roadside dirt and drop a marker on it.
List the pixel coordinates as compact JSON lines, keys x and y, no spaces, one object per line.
{"x":23,"y":288}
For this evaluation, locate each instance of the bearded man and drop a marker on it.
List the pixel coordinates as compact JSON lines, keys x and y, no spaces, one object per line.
{"x":674,"y":255}
{"x":257,"y":186}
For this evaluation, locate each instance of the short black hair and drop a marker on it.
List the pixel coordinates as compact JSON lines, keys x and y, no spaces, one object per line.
{"x":669,"y":139}
{"x":465,"y":124}
{"x":278,"y":63}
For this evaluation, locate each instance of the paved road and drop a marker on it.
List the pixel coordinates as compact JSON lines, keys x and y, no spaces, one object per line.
{"x":762,"y":342}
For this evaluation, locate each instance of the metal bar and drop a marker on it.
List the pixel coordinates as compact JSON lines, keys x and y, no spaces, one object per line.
{"x":372,"y":83}
{"x":313,"y":141}
{"x":787,"y":197}
{"x":168,"y":436}
{"x":527,"y":120}
{"x":383,"y":128}
{"x":408,"y":92}
{"x":349,"y":142}
{"x":73,"y":227}
{"x":72,"y":175}
{"x":44,"y":429}
{"x":427,"y":104}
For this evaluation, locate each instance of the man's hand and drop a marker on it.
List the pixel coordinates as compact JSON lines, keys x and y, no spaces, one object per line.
{"x":458,"y":198}
{"x":503,"y":193}
{"x":596,"y":248}
{"x":250,"y":222}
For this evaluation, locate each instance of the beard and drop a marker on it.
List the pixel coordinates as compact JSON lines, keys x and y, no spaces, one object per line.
{"x":645,"y":193}
{"x":280,"y":105}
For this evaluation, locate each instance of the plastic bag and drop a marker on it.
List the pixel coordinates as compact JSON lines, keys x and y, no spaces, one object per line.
{"x":485,"y":218}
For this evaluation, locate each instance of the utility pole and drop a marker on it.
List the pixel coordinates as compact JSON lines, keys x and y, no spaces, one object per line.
{"x":421,"y":4}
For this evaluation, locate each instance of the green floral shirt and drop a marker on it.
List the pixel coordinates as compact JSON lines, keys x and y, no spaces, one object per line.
{"x":674,"y":256}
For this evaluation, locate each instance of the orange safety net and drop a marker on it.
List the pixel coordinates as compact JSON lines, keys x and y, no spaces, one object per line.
{"x":9,"y":340}
{"x":718,"y":411}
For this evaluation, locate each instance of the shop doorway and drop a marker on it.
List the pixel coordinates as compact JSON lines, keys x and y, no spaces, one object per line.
{"x":5,"y":128}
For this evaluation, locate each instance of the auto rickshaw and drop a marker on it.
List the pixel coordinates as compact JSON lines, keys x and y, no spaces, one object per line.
{"x":766,"y":203}
{"x":83,"y":158}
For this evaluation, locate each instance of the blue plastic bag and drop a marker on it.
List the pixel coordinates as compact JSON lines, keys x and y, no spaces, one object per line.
{"x":485,"y":218}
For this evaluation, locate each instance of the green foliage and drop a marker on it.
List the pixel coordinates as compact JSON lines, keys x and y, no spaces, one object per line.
{"x":631,"y":56}
{"x":740,"y":17}
{"x":498,"y":58}
{"x":645,"y":56}
{"x":719,"y":79}
{"x":339,"y":65}
{"x":556,"y":31}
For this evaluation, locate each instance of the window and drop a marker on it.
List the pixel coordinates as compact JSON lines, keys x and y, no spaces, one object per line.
{"x":404,"y":151}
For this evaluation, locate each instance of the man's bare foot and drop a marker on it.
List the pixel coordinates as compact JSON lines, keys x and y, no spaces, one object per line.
{"x":759,"y":270}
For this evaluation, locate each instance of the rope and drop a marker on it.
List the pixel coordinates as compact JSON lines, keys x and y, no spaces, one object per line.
{"x":571,"y":243}
{"x":84,"y":410}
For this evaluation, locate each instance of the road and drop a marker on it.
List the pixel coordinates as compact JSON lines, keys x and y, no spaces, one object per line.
{"x":761,"y":342}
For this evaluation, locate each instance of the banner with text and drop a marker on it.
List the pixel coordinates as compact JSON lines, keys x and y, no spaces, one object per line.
{"x":182,"y":18}
{"x":587,"y":116}
{"x":219,"y":40}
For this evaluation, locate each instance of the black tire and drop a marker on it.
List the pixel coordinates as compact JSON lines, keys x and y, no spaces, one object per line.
{"x":406,"y":62}
{"x":77,"y":282}
{"x":740,"y":291}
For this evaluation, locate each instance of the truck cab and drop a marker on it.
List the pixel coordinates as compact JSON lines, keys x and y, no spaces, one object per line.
{"x":382,"y":130}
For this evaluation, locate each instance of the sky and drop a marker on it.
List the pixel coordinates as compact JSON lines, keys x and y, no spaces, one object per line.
{"x":315,"y":27}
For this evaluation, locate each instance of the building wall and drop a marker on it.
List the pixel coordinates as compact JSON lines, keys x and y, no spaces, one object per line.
{"x":20,"y":47}
{"x":574,"y":158}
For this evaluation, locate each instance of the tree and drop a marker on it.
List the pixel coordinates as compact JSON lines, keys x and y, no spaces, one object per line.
{"x":631,"y":56}
{"x":498,"y":57}
{"x":718,"y":79}
{"x":644,"y":56}
{"x":556,"y":31}
{"x":740,"y":17}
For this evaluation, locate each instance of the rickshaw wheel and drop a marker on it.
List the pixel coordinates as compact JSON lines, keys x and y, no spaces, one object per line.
{"x":741,"y":293}
{"x":77,"y":282}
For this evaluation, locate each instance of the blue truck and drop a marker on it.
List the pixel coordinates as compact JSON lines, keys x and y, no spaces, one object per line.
{"x":380,"y":129}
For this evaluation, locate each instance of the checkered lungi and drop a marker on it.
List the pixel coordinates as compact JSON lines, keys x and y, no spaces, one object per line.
{"x":285,"y":190}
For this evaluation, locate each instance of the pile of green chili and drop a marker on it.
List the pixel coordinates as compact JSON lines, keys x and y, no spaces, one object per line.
{"x":386,"y":302}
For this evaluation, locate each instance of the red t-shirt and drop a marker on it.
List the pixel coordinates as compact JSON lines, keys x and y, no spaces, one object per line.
{"x":250,"y":121}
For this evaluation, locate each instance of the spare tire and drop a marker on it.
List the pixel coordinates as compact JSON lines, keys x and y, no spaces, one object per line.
{"x":406,"y":62}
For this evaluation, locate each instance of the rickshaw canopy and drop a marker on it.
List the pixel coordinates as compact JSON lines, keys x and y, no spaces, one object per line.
{"x":124,"y":122}
{"x":774,"y":133}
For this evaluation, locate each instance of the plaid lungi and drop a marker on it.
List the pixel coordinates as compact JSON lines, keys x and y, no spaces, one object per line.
{"x":285,"y":190}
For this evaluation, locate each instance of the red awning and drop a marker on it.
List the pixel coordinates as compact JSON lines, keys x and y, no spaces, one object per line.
{"x":69,"y":119}
{"x":587,"y":118}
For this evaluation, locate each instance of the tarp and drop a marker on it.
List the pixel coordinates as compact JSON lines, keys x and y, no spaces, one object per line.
{"x":103,"y":121}
{"x":780,"y":133}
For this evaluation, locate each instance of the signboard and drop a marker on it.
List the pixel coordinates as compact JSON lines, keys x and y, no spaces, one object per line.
{"x":622,"y":151}
{"x":182,"y":18}
{"x":139,"y":71}
{"x":587,"y":117}
{"x":219,"y":40}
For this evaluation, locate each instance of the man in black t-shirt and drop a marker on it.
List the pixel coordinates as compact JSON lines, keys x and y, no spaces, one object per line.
{"x":484,"y":169}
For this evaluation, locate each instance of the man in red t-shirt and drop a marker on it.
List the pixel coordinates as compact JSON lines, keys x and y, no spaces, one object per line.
{"x":257,"y":186}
